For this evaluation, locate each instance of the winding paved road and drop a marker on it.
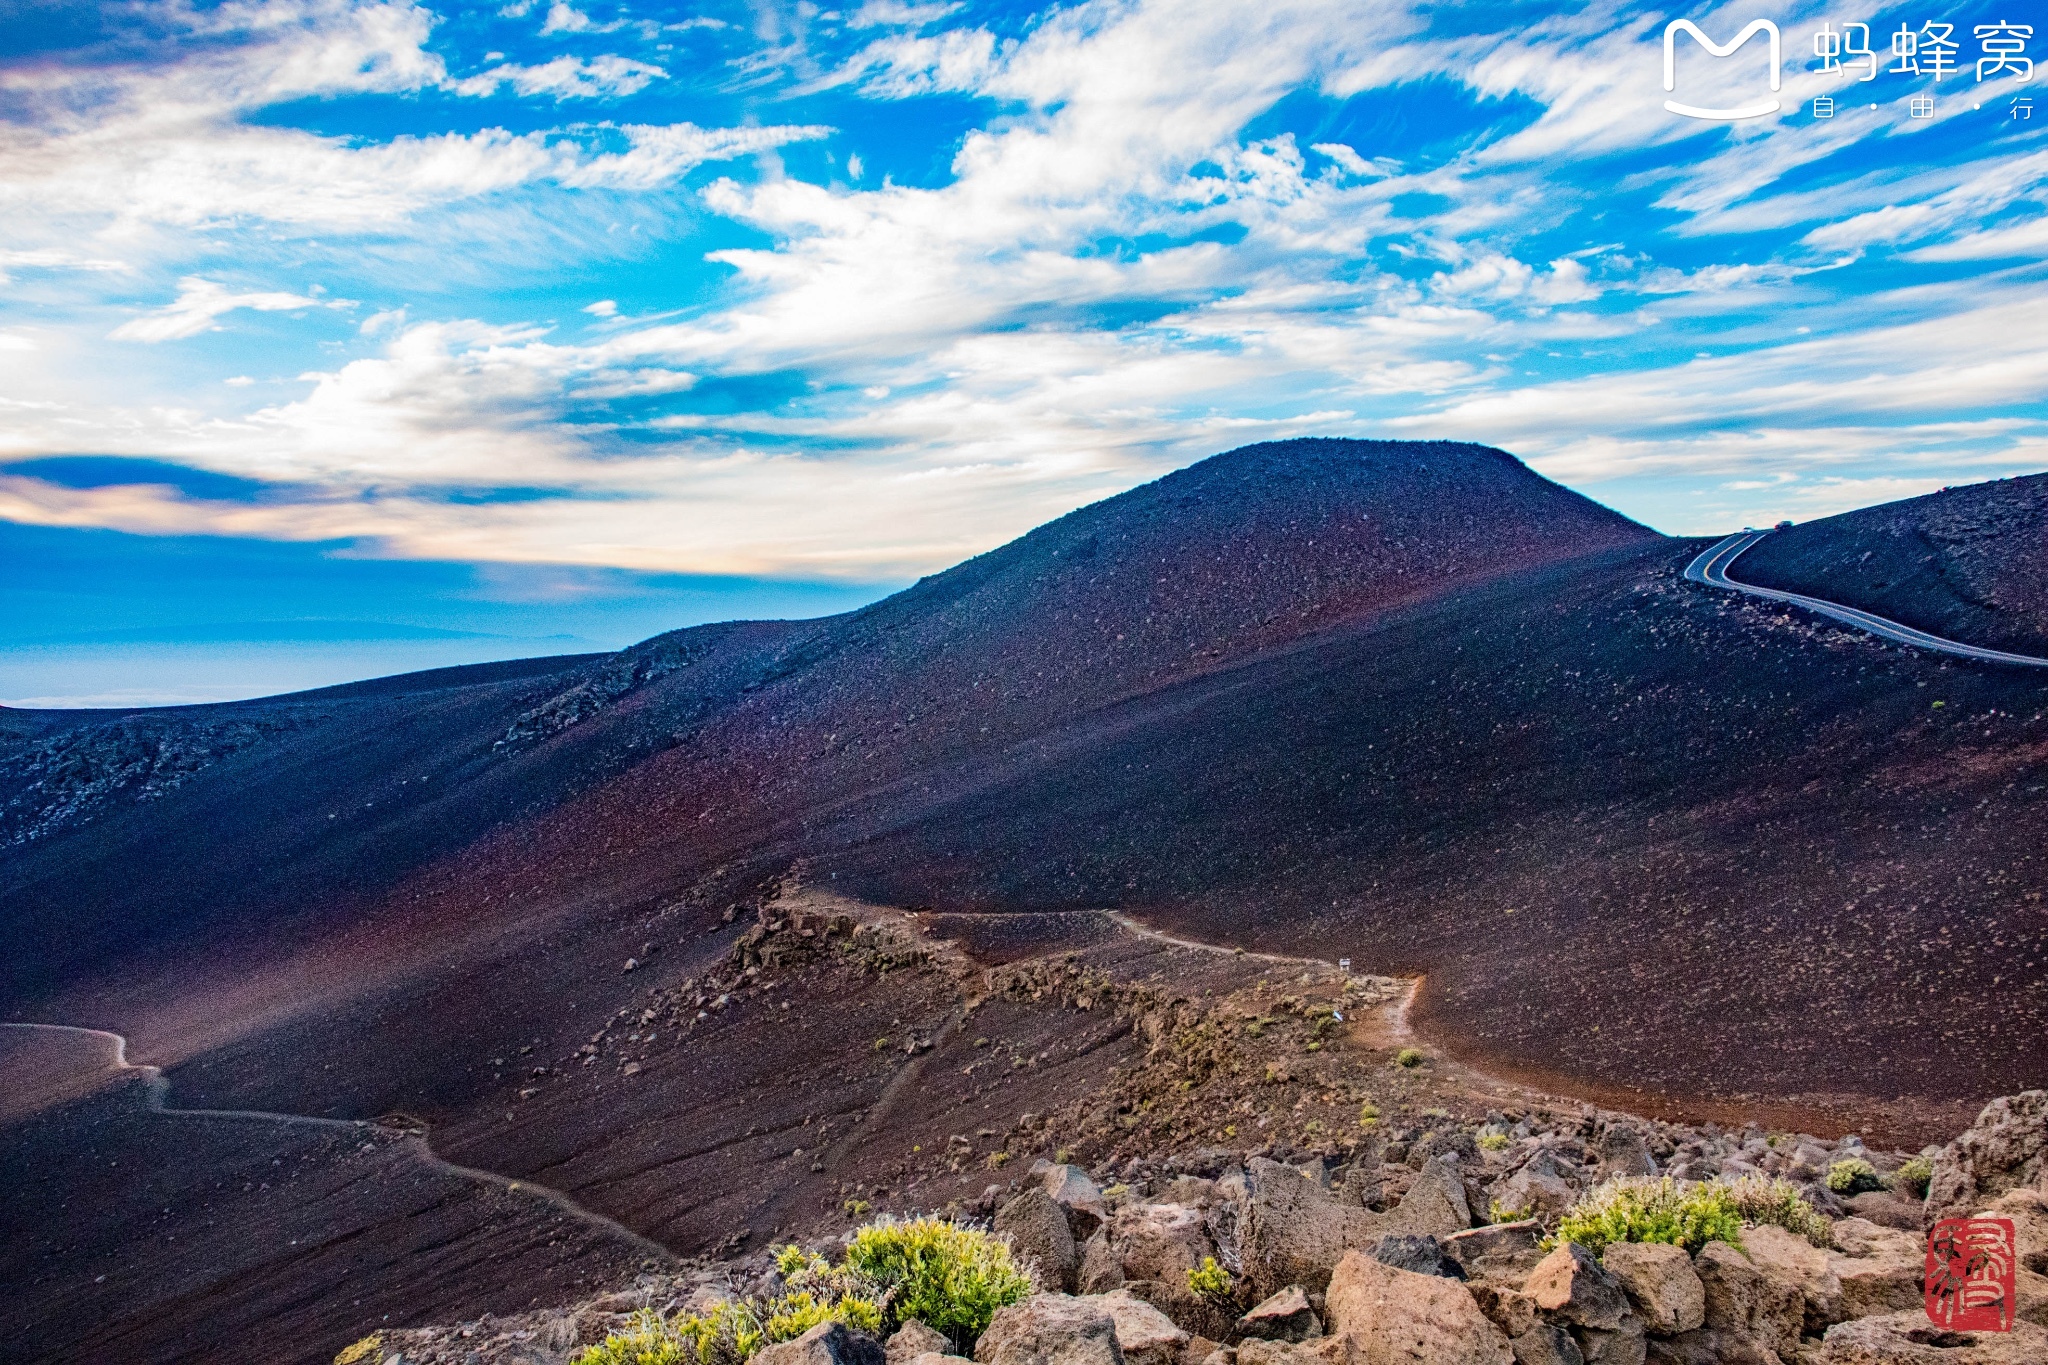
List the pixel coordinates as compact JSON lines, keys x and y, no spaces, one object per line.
{"x":1711,"y":568}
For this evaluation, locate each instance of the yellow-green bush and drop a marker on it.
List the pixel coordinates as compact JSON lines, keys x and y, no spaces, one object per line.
{"x":1913,"y":1176}
{"x":1639,"y":1209}
{"x":950,"y":1278}
{"x":1644,"y":1209}
{"x":364,"y":1351}
{"x":1854,"y":1176}
{"x":1766,"y":1200}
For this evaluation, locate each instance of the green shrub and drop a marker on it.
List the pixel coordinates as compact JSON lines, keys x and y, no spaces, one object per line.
{"x":1644,"y":1210}
{"x":792,"y":1315}
{"x":950,"y":1278}
{"x":365,"y":1351}
{"x":1492,"y":1142}
{"x":1408,"y":1057}
{"x":1210,"y":1280}
{"x":1913,"y":1177}
{"x":651,"y":1339}
{"x":1496,"y":1212}
{"x":1854,"y":1176}
{"x":1368,"y":1115}
{"x":1778,"y":1202}
{"x":816,"y":1291}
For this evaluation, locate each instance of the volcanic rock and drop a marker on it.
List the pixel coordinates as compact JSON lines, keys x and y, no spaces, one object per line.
{"x":1050,"y":1329}
{"x":1661,"y":1284}
{"x":1394,"y":1317}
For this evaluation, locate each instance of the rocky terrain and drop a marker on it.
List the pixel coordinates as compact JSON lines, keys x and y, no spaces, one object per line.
{"x":1067,"y":826}
{"x":1429,"y":1243}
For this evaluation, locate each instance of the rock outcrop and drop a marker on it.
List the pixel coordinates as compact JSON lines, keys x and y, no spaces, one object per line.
{"x":2005,"y":1149}
{"x":1396,"y":1317}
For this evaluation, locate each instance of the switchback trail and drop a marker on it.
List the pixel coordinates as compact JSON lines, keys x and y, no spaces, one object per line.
{"x":157,"y":1089}
{"x":1712,"y":565}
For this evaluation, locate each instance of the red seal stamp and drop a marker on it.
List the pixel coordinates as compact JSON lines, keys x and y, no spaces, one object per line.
{"x":1969,"y":1277}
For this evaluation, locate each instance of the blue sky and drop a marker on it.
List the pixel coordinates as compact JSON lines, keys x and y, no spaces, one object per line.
{"x":338,"y":337}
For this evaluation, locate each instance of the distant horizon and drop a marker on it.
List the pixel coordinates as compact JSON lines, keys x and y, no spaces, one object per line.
{"x":385,"y":649}
{"x":438,"y":316}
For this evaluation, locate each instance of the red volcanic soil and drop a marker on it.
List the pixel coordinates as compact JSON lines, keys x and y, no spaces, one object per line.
{"x":1404,"y":703}
{"x":1969,"y":563}
{"x":1635,"y":832}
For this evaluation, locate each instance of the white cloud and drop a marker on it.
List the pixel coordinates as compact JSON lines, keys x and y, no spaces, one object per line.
{"x":200,"y":302}
{"x":566,"y":78}
{"x":603,"y":308}
{"x":896,"y":14}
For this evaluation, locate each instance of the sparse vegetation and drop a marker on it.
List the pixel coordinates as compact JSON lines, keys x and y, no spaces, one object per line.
{"x":1762,"y":1200}
{"x":1641,"y":1209}
{"x":1496,"y":1212}
{"x":1913,"y":1177}
{"x":816,"y":1292}
{"x":1854,"y":1176}
{"x":1492,"y":1142}
{"x":1368,"y":1115}
{"x":1408,"y":1057}
{"x":726,"y":1335}
{"x":365,"y":1351}
{"x":950,"y":1278}
{"x":1210,"y":1280}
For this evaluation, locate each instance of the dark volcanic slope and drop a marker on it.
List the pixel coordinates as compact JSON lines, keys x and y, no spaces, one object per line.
{"x":1635,"y":831}
{"x":1969,"y":563}
{"x":701,"y":739}
{"x":1409,"y":704}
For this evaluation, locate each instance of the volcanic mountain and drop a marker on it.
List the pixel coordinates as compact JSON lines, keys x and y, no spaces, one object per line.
{"x":1403,"y":703}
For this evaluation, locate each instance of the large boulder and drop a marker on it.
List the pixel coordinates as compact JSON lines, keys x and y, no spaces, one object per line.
{"x":914,"y":1339}
{"x":1160,"y":1241}
{"x":1624,"y":1153}
{"x":2006,"y":1149}
{"x":1500,"y":1252}
{"x":1878,"y":1268}
{"x":1286,"y":1316}
{"x":1790,"y":1258}
{"x":1100,"y":1271}
{"x":1050,"y":1329}
{"x":1660,"y":1283}
{"x":1435,"y":1205}
{"x":1074,"y":1192}
{"x":1293,"y":1231}
{"x":1395,"y":1317}
{"x":1910,"y":1339}
{"x":1745,"y":1303}
{"x":829,"y":1343}
{"x":1038,"y":1230}
{"x":1423,"y":1255}
{"x":1538,"y":1188}
{"x":1570,"y":1285}
{"x":1144,"y":1335}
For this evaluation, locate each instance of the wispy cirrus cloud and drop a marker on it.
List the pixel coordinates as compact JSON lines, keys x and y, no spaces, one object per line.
{"x":1144,"y":231}
{"x":201,"y":302}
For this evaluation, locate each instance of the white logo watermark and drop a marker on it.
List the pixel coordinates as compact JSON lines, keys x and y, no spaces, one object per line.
{"x":1756,"y":26}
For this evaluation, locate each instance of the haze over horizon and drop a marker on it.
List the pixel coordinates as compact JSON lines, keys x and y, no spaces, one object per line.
{"x":347,"y":337}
